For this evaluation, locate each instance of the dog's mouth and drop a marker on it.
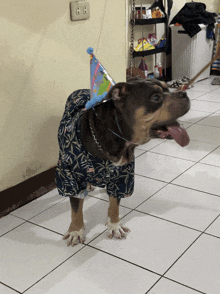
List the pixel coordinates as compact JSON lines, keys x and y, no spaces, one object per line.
{"x":171,"y":131}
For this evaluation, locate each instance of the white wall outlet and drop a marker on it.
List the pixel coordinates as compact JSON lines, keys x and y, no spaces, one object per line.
{"x":79,"y":10}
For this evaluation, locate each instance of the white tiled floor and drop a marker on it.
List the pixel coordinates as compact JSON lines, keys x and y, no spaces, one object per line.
{"x":174,"y":217}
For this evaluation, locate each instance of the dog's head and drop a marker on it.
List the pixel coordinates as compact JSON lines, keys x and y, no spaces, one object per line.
{"x":151,"y":110}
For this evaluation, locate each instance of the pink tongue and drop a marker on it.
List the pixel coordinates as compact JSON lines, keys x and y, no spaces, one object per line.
{"x":178,"y":133}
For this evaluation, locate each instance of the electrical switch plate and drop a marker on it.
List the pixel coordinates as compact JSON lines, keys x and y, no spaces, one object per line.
{"x":79,"y":10}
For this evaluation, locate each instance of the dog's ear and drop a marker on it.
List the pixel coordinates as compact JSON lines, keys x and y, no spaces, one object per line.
{"x":117,"y":92}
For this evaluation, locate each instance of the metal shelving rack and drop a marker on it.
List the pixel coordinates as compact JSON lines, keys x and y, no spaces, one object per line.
{"x":151,"y":21}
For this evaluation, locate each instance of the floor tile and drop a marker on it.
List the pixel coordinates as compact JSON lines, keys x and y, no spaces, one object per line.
{"x":204,"y":106}
{"x":206,"y":81}
{"x":8,"y":223}
{"x":143,"y":189}
{"x":200,"y":87}
{"x":193,"y":116}
{"x":138,"y":152}
{"x":185,"y":124}
{"x":165,"y":286}
{"x":199,"y":267}
{"x":193,"y":94}
{"x":211,"y":96}
{"x":37,"y":206}
{"x":92,"y":271}
{"x":213,"y":158}
{"x":160,"y":167}
{"x":212,"y":120}
{"x":6,"y":290}
{"x":57,"y":218}
{"x":30,"y":252}
{"x":184,"y":206}
{"x":217,"y":91}
{"x":201,"y":177}
{"x":195,"y":151}
{"x":152,"y":143}
{"x":214,"y":229}
{"x":204,"y":133}
{"x":155,"y":243}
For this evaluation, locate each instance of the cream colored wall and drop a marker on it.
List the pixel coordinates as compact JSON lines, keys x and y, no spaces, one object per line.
{"x":43,"y":59}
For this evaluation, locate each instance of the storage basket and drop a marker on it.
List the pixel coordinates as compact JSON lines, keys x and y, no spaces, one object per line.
{"x":190,"y":55}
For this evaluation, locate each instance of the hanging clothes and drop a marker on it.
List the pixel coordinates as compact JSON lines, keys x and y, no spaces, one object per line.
{"x":216,"y":64}
{"x":193,"y":14}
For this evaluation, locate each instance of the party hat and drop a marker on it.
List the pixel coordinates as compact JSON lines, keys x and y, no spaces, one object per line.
{"x":100,"y":81}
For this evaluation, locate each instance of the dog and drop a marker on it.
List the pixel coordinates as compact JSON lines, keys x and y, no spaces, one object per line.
{"x":97,"y":145}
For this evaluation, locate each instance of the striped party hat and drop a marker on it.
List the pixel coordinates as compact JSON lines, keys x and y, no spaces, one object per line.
{"x":100,"y":81}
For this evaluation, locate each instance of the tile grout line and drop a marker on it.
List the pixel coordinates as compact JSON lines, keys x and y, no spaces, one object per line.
{"x":53,"y":269}
{"x":174,"y":282}
{"x":210,"y":226}
{"x":175,"y":157}
{"x":7,"y":286}
{"x":190,"y":160}
{"x":182,"y":254}
{"x":161,"y":276}
{"x":202,"y":233}
{"x":42,"y":227}
{"x":208,"y":155}
{"x":193,"y":189}
{"x":208,"y":115}
{"x":127,"y":261}
{"x":39,"y":212}
{"x":124,"y":259}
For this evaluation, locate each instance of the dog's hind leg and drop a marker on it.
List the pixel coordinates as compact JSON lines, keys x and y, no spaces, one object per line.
{"x":75,"y":233}
{"x":115,"y":227}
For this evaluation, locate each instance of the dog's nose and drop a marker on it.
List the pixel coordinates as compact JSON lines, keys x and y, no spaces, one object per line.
{"x":182,"y":95}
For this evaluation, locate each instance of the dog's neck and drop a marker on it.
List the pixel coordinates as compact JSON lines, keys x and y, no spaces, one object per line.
{"x":99,"y":146}
{"x":119,"y":131}
{"x":104,"y":136}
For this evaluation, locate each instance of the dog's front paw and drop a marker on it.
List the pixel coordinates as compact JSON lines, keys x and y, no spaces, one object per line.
{"x":117,"y":230}
{"x":75,"y":237}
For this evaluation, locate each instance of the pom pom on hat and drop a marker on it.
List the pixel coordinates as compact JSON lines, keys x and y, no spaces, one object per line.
{"x":90,"y":50}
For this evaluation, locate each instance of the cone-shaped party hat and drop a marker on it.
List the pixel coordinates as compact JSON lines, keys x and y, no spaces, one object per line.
{"x":100,"y":81}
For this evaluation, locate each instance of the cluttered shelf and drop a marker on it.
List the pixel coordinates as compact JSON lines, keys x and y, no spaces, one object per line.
{"x":148,"y":52}
{"x":143,"y":15}
{"x":149,"y":21}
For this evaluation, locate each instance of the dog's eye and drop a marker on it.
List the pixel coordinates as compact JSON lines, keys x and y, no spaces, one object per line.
{"x":157,"y":98}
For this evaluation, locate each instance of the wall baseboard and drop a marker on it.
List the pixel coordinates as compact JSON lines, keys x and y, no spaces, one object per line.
{"x":14,"y":197}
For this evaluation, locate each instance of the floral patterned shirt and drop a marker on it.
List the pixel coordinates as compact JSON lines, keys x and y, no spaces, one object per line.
{"x":77,"y":167}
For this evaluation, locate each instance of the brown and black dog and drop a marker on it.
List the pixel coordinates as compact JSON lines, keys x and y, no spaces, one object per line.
{"x":132,"y":114}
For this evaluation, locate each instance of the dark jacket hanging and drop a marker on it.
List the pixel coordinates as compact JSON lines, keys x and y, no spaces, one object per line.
{"x":193,"y":14}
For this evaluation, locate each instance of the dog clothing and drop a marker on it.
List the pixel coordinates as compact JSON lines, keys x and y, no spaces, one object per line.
{"x":76,"y":167}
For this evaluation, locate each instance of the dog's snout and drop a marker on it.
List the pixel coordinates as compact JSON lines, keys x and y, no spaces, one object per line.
{"x":183,"y":94}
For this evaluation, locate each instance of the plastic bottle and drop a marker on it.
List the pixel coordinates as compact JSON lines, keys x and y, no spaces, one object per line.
{"x":156,"y":72}
{"x":143,"y":66}
{"x":160,"y":68}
